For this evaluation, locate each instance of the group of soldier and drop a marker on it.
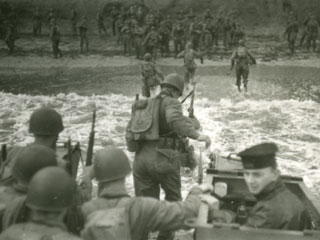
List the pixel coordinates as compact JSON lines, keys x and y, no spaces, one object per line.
{"x":41,"y":199}
{"x":155,"y":31}
{"x":309,"y":33}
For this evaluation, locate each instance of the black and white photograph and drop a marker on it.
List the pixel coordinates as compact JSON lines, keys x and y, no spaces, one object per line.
{"x":159,"y":120}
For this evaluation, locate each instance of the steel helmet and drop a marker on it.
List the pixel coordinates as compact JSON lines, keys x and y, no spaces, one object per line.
{"x":51,"y":189}
{"x":45,"y":121}
{"x":174,"y":80}
{"x":110,"y":164}
{"x":189,"y":45}
{"x":147,"y":57}
{"x":30,"y":160}
{"x":241,"y":42}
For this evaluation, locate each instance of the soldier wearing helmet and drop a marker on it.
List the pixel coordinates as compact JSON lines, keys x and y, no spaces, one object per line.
{"x":28,"y":161}
{"x":151,"y":42}
{"x":110,"y":168}
{"x":138,"y":33}
{"x":312,"y":29}
{"x":150,"y":73}
{"x":157,"y":162}
{"x":188,"y":55}
{"x":45,"y":124}
{"x":50,"y":195}
{"x":241,"y":57}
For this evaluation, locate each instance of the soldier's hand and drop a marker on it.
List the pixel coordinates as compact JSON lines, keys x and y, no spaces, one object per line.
{"x":206,"y":139}
{"x":206,"y":187}
{"x":210,"y":200}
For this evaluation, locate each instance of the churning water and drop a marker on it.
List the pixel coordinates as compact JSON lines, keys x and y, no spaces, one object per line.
{"x":234,"y":121}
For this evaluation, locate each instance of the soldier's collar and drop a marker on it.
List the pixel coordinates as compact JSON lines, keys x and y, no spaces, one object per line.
{"x":270,"y":190}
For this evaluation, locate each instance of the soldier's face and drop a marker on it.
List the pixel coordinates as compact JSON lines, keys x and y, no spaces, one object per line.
{"x":258,"y":179}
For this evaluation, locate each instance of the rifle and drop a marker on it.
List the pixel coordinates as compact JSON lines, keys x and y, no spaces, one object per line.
{"x":189,"y":94}
{"x":3,"y":153}
{"x":200,"y":169}
{"x":191,"y":109}
{"x":91,"y":139}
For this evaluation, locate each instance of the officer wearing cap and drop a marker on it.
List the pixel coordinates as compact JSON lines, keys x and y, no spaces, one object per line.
{"x":110,"y":168}
{"x":277,"y":207}
{"x":157,"y":162}
{"x":50,"y":193}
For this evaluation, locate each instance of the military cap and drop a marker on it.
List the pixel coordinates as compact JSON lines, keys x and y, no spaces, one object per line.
{"x":259,"y":156}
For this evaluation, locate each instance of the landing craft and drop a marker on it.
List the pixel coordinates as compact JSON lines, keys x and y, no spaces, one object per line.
{"x":228,"y":175}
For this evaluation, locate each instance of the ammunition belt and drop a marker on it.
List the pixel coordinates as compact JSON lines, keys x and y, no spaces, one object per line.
{"x":168,"y":143}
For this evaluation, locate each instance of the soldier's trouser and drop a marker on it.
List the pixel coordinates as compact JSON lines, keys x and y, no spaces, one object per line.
{"x":84,"y":40}
{"x":152,"y":170}
{"x":10,"y":44}
{"x":126,"y":44}
{"x":152,"y":50}
{"x":55,"y":49}
{"x":242,"y":72}
{"x":311,"y":40}
{"x":226,"y":39}
{"x":178,"y":46}
{"x":208,"y":41}
{"x":189,"y":74}
{"x":114,"y":27}
{"x":138,"y":46}
{"x":101,"y":27}
{"x":37,"y":27}
{"x":74,"y":28}
{"x":303,"y":37}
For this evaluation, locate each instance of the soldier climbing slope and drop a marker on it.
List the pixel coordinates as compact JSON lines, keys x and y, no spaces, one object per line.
{"x":242,"y":58}
{"x":150,"y":73}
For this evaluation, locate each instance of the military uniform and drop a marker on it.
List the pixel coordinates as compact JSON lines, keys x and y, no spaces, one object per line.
{"x":164,"y":34}
{"x":147,"y":214}
{"x":37,"y":231}
{"x":10,"y":37}
{"x":126,"y":38}
{"x":150,"y":73}
{"x":138,"y":32}
{"x":55,"y":39}
{"x":100,"y":23}
{"x":242,"y":58}
{"x":37,"y":23}
{"x":312,"y":33}
{"x":277,"y":208}
{"x":190,"y":66}
{"x":157,"y":163}
{"x":74,"y":22}
{"x":227,"y":28}
{"x":83,"y":32}
{"x":178,"y":38}
{"x":292,"y":32}
{"x":135,"y":217}
{"x":151,"y":42}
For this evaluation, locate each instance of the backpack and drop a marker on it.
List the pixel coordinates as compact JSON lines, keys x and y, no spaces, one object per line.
{"x":109,"y":224}
{"x":144,"y":122}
